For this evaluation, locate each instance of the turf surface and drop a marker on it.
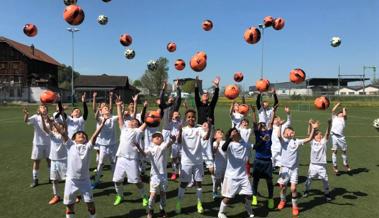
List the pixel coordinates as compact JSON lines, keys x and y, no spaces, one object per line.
{"x":354,"y":194}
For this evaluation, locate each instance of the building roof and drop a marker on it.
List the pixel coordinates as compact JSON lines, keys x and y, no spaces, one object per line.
{"x":103,"y":81}
{"x":28,"y":51}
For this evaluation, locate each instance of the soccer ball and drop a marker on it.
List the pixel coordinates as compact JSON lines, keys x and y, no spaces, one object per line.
{"x":335,"y":42}
{"x":102,"y":19}
{"x":69,"y":2}
{"x":129,"y":53}
{"x":152,"y":65}
{"x":375,"y":123}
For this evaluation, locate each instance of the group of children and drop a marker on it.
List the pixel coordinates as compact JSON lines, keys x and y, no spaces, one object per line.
{"x":61,"y":139}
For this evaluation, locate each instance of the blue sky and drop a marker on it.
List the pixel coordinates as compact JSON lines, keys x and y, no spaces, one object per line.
{"x":303,"y":43}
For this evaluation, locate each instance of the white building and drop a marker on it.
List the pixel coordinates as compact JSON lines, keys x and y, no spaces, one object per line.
{"x":358,"y":90}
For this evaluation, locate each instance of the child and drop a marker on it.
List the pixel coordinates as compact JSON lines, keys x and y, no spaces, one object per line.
{"x":219,"y":162}
{"x":276,"y":147}
{"x":192,"y":159}
{"x":290,"y":165}
{"x":264,"y":110}
{"x":245,"y":133}
{"x":58,"y":155}
{"x":236,"y":180}
{"x":317,"y":167}
{"x":41,"y":140}
{"x":157,"y":153}
{"x":175,"y":125}
{"x":106,"y":142}
{"x":262,"y":163}
{"x":128,"y":157}
{"x":338,"y":137}
{"x":235,"y":116}
{"x":78,"y":178}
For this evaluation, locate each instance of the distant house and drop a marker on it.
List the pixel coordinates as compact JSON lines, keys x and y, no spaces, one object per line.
{"x":25,"y":71}
{"x":358,"y":90}
{"x":103,"y":84}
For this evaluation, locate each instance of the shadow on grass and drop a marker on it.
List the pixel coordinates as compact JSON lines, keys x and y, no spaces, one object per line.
{"x":355,"y":171}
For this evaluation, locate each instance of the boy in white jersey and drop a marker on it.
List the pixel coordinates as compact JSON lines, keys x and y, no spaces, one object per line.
{"x":156,"y":154}
{"x":175,"y":125}
{"x":245,"y":133}
{"x":338,"y":137}
{"x":128,"y":156}
{"x":78,"y":178}
{"x":317,"y":167}
{"x":290,"y":164}
{"x":57,"y":156}
{"x":41,"y":140}
{"x":235,"y":116}
{"x":276,"y":147}
{"x":264,"y":110}
{"x":219,"y":162}
{"x":191,"y":164}
{"x":106,"y":142}
{"x":236,"y":180}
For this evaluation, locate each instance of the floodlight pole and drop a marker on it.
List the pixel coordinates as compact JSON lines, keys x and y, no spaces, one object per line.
{"x":262,"y":27}
{"x":72,"y":30}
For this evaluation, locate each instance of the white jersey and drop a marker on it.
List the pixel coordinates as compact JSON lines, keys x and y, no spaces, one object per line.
{"x":107,"y":135}
{"x":192,"y":149}
{"x":237,"y":155}
{"x":219,"y":154}
{"x":236,"y":119}
{"x":290,"y":154}
{"x":40,"y":137}
{"x":265,"y":115}
{"x":245,"y":134}
{"x":174,"y":127}
{"x":78,"y":158}
{"x":318,"y":151}
{"x":57,"y":150}
{"x":276,"y":145}
{"x":74,"y":125}
{"x":129,"y":137}
{"x":338,"y":125}
{"x":157,"y":155}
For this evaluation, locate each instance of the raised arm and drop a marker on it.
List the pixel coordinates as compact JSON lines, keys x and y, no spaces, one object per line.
{"x":119,"y":112}
{"x":254,"y":116}
{"x":288,"y":112}
{"x":135,"y":103}
{"x":311,"y":135}
{"x":271,"y":121}
{"x":178,"y":99}
{"x":276,"y":101}
{"x":327,"y":133}
{"x":110,"y":101}
{"x":216,"y":83}
{"x":26,"y":114}
{"x":162,"y":103}
{"x":258,"y":101}
{"x":143,"y":112}
{"x":228,"y":140}
{"x":94,"y":108}
{"x":231,"y":108}
{"x":97,"y":132}
{"x":44,"y":126}
{"x":335,"y":107}
{"x":85,"y":108}
{"x":344,"y":113}
{"x":197,"y":94}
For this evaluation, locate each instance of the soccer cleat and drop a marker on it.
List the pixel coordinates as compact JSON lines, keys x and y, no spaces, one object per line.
{"x":191,"y":184}
{"x":306,"y":194}
{"x":254,"y":201}
{"x":295,"y":211}
{"x":328,"y":197}
{"x":174,"y":176}
{"x":251,"y":215}
{"x":54,"y":200}
{"x":162,"y":214}
{"x":200,"y":208}
{"x":215,"y":195}
{"x":78,"y":199}
{"x":281,"y":204}
{"x":145,"y":201}
{"x":221,"y":215}
{"x":150,"y":214}
{"x":335,"y":170}
{"x":34,"y":183}
{"x":95,"y":184}
{"x":270,"y":203}
{"x":178,"y":207}
{"x":347,"y":168}
{"x":117,"y":200}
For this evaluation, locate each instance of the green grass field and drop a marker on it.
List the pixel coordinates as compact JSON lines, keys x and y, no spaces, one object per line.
{"x":354,"y":195}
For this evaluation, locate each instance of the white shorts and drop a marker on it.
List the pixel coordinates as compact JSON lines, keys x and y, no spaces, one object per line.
{"x":158,"y":183}
{"x":219,"y":170}
{"x":58,"y":169}
{"x":40,"y":152}
{"x":175,"y":150}
{"x":317,"y":171}
{"x":276,"y":156}
{"x":288,"y":175}
{"x":231,"y":187}
{"x":339,"y":142}
{"x":107,"y":152}
{"x":75,"y":186}
{"x":127,"y":167}
{"x":187,"y":171}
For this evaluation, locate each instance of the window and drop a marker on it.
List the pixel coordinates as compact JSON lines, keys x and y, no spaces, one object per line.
{"x":283,"y":91}
{"x":361,"y":93}
{"x":342,"y":93}
{"x":351,"y":93}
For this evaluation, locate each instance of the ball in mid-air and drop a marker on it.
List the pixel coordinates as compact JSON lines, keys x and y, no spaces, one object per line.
{"x":106,"y":1}
{"x":102,"y":19}
{"x":126,"y":39}
{"x":268,"y":21}
{"x":180,"y":64}
{"x":335,"y":41}
{"x":129,"y":53}
{"x":262,"y":85}
{"x":238,"y":76}
{"x":73,"y":15}
{"x":30,"y":30}
{"x":207,"y":25}
{"x":375,"y":123}
{"x":48,"y":96}
{"x":322,"y":103}
{"x":152,"y":65}
{"x":171,"y":47}
{"x":297,"y":76}
{"x":278,"y":23}
{"x":69,"y":2}
{"x":252,"y":35}
{"x":231,"y":92}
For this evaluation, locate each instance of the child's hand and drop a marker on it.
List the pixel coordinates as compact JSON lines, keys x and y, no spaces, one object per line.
{"x":94,"y":94}
{"x":135,"y":98}
{"x":84,"y":97}
{"x":315,"y":125}
{"x":110,"y":94}
{"x":118,"y":101}
{"x":145,"y":103}
{"x":273,"y":90}
{"x":287,"y":109}
{"x":216,"y":81}
{"x":310,"y":121}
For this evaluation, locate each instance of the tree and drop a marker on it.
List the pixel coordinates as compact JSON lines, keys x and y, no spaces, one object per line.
{"x":153,"y":80}
{"x":64,"y":77}
{"x":189,"y":86}
{"x":137,"y":83}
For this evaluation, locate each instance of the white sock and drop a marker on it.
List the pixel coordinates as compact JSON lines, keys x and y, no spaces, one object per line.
{"x":222,"y":207}
{"x":92,"y":216}
{"x":282,"y":197}
{"x":248,"y":208}
{"x":55,"y":187}
{"x":162,"y":202}
{"x":35,"y":174}
{"x":308,"y":184}
{"x":294,"y":202}
{"x":325,"y":184}
{"x":344,"y":159}
{"x":214,"y":183}
{"x":151,"y":203}
{"x":174,"y":169}
{"x":70,"y":215}
{"x":119,"y":189}
{"x":99,"y":171}
{"x":199,"y":193}
{"x":181,"y":193}
{"x":142,"y":193}
{"x":334,"y":159}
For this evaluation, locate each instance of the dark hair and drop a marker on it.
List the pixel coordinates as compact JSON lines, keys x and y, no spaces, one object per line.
{"x":290,"y":128}
{"x":316,"y":131}
{"x":339,"y":112}
{"x":73,"y":136}
{"x":139,"y":123}
{"x":189,"y":111}
{"x":246,"y":120}
{"x":75,"y":109}
{"x":230,"y":132}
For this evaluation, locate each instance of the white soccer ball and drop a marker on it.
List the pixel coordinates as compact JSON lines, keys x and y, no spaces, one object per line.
{"x":335,"y":42}
{"x":129,"y":53}
{"x":69,"y":2}
{"x":152,"y":65}
{"x":102,"y":19}
{"x":375,"y":123}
